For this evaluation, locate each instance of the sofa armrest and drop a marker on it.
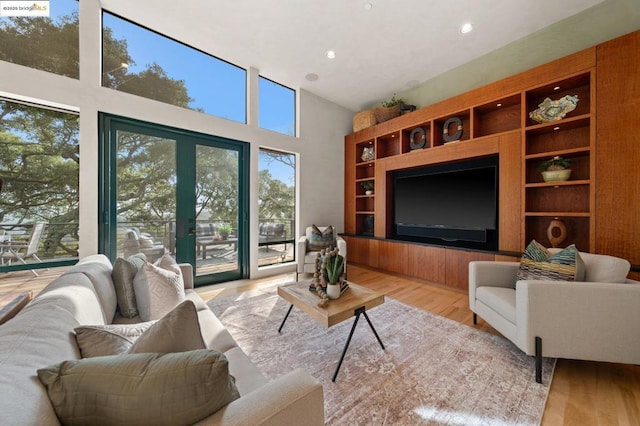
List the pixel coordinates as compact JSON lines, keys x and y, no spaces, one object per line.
{"x":187,"y":275}
{"x":295,"y":398}
{"x":492,"y":274}
{"x":579,"y":320}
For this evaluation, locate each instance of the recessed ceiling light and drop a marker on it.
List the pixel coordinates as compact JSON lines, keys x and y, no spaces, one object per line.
{"x":466,"y":28}
{"x":331,"y":54}
{"x":412,"y":83}
{"x":311,"y":76}
{"x":368,"y":6}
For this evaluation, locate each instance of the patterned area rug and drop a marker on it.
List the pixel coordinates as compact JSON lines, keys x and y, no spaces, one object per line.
{"x":433,"y":371}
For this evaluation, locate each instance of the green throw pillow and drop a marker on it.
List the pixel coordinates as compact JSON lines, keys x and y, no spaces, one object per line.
{"x":143,"y":389}
{"x":538,"y":263}
{"x":124,"y":270}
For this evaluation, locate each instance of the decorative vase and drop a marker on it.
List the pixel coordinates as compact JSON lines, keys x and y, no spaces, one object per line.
{"x":368,"y":192}
{"x":556,"y":175}
{"x":333,"y":290}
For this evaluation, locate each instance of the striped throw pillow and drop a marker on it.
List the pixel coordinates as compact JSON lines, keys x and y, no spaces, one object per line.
{"x":538,"y":263}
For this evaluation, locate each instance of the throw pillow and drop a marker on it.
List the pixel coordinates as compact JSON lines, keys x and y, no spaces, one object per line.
{"x":319,"y":240}
{"x":109,"y":339}
{"x":158,"y":288}
{"x":538,"y":263}
{"x":178,"y":331}
{"x":145,"y":241}
{"x":141,"y":389}
{"x":124,"y":270}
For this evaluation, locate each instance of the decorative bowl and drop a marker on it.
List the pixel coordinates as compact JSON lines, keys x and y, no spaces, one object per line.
{"x":556,"y":175}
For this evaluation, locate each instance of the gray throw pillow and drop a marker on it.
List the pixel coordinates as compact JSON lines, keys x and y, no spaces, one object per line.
{"x":177,"y":331}
{"x":124,"y":270}
{"x":143,"y":389}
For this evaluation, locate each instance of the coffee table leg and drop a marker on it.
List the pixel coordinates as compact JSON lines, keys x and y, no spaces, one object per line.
{"x":373,"y":328}
{"x":346,"y":346}
{"x":285,"y":318}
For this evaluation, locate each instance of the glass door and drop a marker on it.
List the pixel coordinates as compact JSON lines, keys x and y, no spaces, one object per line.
{"x":176,"y":192}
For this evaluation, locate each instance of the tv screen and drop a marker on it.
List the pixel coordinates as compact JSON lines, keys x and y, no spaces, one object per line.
{"x":455,"y":202}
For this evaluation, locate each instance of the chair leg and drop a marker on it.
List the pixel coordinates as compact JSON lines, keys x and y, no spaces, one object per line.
{"x":475,"y":319}
{"x":538,"y":360}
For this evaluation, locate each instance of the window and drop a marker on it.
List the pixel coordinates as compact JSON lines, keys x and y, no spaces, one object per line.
{"x":45,"y":43}
{"x":39,"y":163}
{"x":276,"y":107}
{"x":144,"y":63}
{"x":277,"y":206}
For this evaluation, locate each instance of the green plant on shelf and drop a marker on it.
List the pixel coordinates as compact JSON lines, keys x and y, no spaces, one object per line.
{"x":392,"y":102}
{"x":556,"y":163}
{"x":367,"y":185}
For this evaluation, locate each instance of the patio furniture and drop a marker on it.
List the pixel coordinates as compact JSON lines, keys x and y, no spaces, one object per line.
{"x":140,"y":242}
{"x":22,"y":250}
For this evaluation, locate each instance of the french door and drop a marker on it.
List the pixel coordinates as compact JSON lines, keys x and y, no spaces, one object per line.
{"x":166,"y":190}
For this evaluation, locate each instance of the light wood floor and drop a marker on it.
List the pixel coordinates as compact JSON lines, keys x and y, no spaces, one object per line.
{"x":582,"y":393}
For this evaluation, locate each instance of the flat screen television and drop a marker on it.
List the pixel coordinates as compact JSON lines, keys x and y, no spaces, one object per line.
{"x":453,"y":204}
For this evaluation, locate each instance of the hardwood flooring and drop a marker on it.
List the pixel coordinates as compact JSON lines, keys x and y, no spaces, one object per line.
{"x":582,"y":393}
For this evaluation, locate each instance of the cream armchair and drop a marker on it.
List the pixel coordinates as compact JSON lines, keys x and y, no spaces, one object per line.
{"x":597,"y":319}
{"x":307,"y":257}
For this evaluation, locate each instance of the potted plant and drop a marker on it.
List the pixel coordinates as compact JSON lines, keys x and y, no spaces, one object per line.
{"x":555,"y":169}
{"x":388,"y":109}
{"x":334,"y":268}
{"x":368,"y":187}
{"x":224,"y":230}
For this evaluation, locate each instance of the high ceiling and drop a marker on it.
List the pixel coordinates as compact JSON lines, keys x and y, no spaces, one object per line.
{"x":381,"y":46}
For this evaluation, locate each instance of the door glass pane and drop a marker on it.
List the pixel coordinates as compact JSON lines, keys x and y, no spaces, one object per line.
{"x":277,"y":206}
{"x":216,"y":210}
{"x":146,"y":195}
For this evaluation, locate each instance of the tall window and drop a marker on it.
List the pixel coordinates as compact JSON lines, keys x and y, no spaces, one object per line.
{"x":39,"y":163}
{"x":45,"y":43}
{"x":277,"y":107}
{"x":277,"y":206}
{"x":142,"y":62}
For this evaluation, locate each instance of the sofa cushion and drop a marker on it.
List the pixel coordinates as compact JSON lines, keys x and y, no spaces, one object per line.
{"x":158,"y":288}
{"x":152,"y":389}
{"x":124,"y":270}
{"x":538,"y":263}
{"x":177,"y":331}
{"x":320,"y":239}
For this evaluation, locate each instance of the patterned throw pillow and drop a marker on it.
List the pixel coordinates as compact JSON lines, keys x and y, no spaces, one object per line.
{"x":538,"y":263}
{"x":124,"y":270}
{"x":319,"y":240}
{"x":158,"y":288}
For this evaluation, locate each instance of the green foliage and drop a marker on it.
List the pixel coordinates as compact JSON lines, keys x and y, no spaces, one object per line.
{"x":556,"y":163}
{"x":224,"y":228}
{"x":392,"y":102}
{"x":334,"y":268}
{"x":367,"y":185}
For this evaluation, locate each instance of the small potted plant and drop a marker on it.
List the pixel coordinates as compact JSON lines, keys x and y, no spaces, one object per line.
{"x":368,"y":187}
{"x":555,"y":169}
{"x":388,"y":109}
{"x":334,"y":268}
{"x":224,"y":230}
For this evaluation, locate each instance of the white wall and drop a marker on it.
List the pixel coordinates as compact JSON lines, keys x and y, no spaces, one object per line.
{"x":319,"y":147}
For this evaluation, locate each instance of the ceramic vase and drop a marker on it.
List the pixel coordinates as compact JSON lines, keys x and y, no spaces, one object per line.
{"x":333,"y":290}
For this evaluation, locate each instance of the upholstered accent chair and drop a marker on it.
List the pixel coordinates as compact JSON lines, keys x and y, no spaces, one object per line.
{"x":596,"y":318}
{"x":141,"y":242}
{"x":312,"y":242}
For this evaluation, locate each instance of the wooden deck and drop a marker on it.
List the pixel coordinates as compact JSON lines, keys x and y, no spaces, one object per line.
{"x":582,"y":392}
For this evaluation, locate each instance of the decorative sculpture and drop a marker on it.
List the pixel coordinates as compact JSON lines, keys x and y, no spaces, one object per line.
{"x":554,"y":110}
{"x":556,"y":225}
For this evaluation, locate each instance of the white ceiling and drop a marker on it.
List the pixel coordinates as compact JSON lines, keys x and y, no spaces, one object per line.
{"x":387,"y":49}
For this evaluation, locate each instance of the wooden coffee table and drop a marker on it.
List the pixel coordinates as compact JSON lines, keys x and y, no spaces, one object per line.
{"x":355,"y":301}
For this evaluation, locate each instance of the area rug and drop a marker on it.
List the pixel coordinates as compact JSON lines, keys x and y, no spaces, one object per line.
{"x":433,"y":371}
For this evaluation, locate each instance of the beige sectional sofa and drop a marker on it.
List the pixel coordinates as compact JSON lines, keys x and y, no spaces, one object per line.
{"x":42,"y":335}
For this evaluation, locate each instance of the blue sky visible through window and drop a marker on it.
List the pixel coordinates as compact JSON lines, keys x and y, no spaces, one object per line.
{"x":274,"y":97}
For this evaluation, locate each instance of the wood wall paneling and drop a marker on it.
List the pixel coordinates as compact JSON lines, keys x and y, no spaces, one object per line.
{"x":510,"y":193}
{"x":618,"y":148}
{"x":457,"y":266}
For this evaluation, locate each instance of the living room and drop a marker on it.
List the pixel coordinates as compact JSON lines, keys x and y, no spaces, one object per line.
{"x":318,"y":144}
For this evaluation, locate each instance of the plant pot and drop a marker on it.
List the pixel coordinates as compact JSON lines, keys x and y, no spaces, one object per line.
{"x":556,"y":175}
{"x":368,"y":192}
{"x":333,"y":290}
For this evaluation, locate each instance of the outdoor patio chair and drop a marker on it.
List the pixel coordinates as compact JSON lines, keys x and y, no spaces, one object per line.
{"x":22,"y":250}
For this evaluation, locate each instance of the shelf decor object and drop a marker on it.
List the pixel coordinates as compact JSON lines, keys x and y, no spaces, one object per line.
{"x":368,"y":154}
{"x":556,"y":226}
{"x":364,"y":119}
{"x":417,"y":138}
{"x":458,"y":133}
{"x":550,"y":110}
{"x":556,"y":169}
